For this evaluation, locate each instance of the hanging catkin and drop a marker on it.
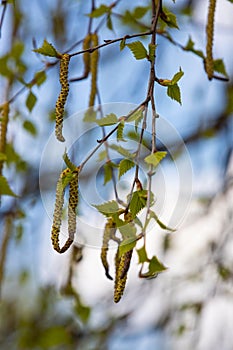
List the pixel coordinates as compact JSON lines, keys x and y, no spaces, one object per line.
{"x":73,"y":202}
{"x":109,"y":231}
{"x":60,"y":104}
{"x":120,"y":283}
{"x":3,"y":130}
{"x":87,"y":55}
{"x":94,"y":70}
{"x":59,"y":202}
{"x":209,"y":63}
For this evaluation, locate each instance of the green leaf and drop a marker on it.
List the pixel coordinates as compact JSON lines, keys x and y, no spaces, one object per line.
{"x":122,"y":44}
{"x":140,"y":11}
{"x":136,"y":116}
{"x":108,"y":171}
{"x":107,"y":208}
{"x":123,"y":151}
{"x":3,"y":157}
{"x":54,"y":336}
{"x":231,"y":1}
{"x":124,"y":166}
{"x":48,"y":49}
{"x":102,"y":155}
{"x":142,"y":255}
{"x":220,"y":67}
{"x":120,"y":131}
{"x":40,"y":77}
{"x":159,"y":222}
{"x":82,"y":311}
{"x":190,"y":47}
{"x":109,"y":22}
{"x":99,"y":11}
{"x":66,"y":180}
{"x":138,"y":50}
{"x":110,"y":119}
{"x":128,"y":230}
{"x":155,"y":158}
{"x":127,"y":245}
{"x":155,"y":267}
{"x":68,"y":162}
{"x":169,"y":18}
{"x":152,"y":49}
{"x":31,"y":101}
{"x":173,"y":91}
{"x":138,"y":201}
{"x":30,"y":127}
{"x":5,"y":188}
{"x":177,"y":77}
{"x":90,"y":116}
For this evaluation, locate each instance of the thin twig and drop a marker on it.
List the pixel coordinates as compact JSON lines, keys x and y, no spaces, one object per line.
{"x":4,"y":4}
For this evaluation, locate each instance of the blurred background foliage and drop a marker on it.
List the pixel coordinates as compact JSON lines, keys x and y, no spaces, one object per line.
{"x":54,"y":313}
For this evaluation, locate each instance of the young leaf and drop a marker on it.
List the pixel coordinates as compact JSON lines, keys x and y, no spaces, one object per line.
{"x":40,"y":77}
{"x":138,"y":201}
{"x":169,"y":18}
{"x":99,"y":11}
{"x":140,"y":11}
{"x":107,"y":208}
{"x":220,"y":67}
{"x":90,"y":116}
{"x":190,"y":47}
{"x":138,"y":50}
{"x":3,"y":157}
{"x":30,"y":127}
{"x":142,"y":255}
{"x":173,"y":91}
{"x":110,"y":119}
{"x":109,"y":22}
{"x":152,"y":52}
{"x":123,"y":151}
{"x":108,"y":169}
{"x":122,"y":44}
{"x":68,"y":162}
{"x":5,"y":188}
{"x":124,"y":166}
{"x":120,"y":131}
{"x":155,"y":158}
{"x":31,"y":101}
{"x":159,"y":222}
{"x":48,"y":49}
{"x":155,"y":267}
{"x":177,"y":77}
{"x":137,"y":115}
{"x":127,"y":245}
{"x":102,"y":155}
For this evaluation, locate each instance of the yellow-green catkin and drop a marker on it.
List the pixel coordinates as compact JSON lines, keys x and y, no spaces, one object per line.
{"x":87,"y":55}
{"x":60,"y":104}
{"x":57,"y":216}
{"x":94,"y":70}
{"x":4,"y":117}
{"x":109,"y":231}
{"x":120,"y":282}
{"x":209,"y":63}
{"x":73,"y":203}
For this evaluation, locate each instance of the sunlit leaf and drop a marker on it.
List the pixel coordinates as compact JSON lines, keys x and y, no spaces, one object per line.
{"x":190,"y":47}
{"x":120,"y":131}
{"x":124,"y":166}
{"x":173,"y":91}
{"x":121,"y":150}
{"x":122,"y":44}
{"x":107,"y":208}
{"x":138,"y":50}
{"x":68,"y":162}
{"x":110,"y":119}
{"x":159,"y":222}
{"x":138,"y":201}
{"x":127,"y":245}
{"x":155,"y":158}
{"x":48,"y":49}
{"x":40,"y":77}
{"x":142,"y":255}
{"x":137,"y":115}
{"x":177,"y":76}
{"x":169,"y":18}
{"x":102,"y":155}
